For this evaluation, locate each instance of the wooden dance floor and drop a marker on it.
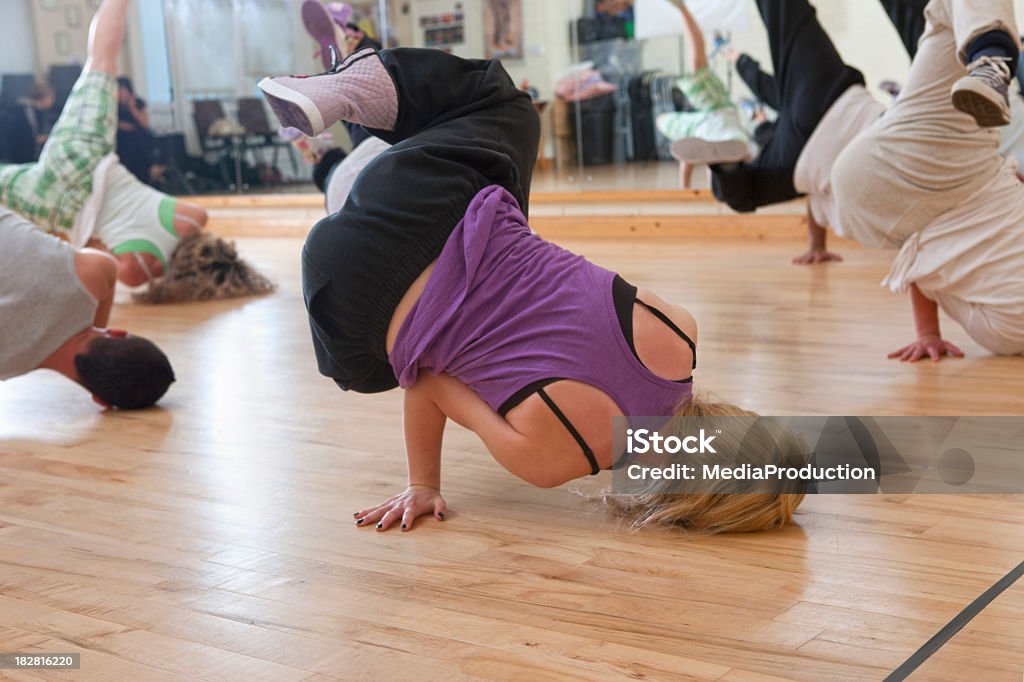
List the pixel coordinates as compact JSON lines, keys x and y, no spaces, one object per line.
{"x":212,"y":539}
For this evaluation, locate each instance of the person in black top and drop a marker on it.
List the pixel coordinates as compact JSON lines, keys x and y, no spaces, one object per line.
{"x":40,"y":115}
{"x":136,"y":144}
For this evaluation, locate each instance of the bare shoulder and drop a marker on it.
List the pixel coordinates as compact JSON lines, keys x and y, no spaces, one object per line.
{"x":679,"y":315}
{"x":97,"y":271}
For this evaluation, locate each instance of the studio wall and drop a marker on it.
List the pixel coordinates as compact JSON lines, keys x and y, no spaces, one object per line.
{"x":17,"y":49}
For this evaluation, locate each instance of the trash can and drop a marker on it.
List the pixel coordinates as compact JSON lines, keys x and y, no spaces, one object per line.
{"x":596,"y":129}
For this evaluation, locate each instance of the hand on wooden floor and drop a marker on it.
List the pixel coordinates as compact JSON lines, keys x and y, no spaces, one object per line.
{"x":932,"y":346}
{"x":412,"y":503}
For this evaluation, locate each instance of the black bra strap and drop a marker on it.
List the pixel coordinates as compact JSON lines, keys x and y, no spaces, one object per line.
{"x":587,"y":452}
{"x":671,"y":325}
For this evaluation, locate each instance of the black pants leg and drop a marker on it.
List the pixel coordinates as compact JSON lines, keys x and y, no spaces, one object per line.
{"x":809,"y":77}
{"x":462,"y":126}
{"x":908,"y":18}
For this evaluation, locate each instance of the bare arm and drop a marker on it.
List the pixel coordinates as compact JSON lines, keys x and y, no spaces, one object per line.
{"x":538,"y":459}
{"x":530,"y":454}
{"x":98,"y":273}
{"x":694,"y":38}
{"x":817,"y":238}
{"x":424,"y":433}
{"x":140,"y":114}
{"x":512,"y":449}
{"x":106,"y":35}
{"x":929,"y":337}
{"x":926,"y":313}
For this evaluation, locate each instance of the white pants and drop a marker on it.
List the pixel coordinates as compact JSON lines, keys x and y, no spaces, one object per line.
{"x":923,"y":157}
{"x":344,"y":175}
{"x":928,"y":180}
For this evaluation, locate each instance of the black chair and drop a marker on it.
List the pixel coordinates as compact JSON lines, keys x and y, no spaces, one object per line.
{"x":17,"y":144}
{"x":15,"y":87}
{"x":260,"y":134}
{"x":222,"y":150}
{"x":181,"y":177}
{"x":63,"y":79}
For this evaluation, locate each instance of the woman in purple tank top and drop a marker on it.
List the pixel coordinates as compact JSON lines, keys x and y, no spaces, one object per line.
{"x":429,"y":278}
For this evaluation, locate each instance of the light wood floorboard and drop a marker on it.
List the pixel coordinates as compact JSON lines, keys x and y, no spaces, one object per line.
{"x":212,"y":539}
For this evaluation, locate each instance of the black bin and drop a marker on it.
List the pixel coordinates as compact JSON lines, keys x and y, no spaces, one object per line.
{"x":596,"y":121}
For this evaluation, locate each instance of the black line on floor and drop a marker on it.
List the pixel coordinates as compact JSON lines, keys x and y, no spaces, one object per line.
{"x":954,"y":626}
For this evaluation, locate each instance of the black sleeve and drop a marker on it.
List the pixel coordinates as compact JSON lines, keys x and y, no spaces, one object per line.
{"x":760,"y":83}
{"x":907,"y":17}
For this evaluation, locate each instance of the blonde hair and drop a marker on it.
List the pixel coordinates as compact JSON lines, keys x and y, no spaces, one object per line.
{"x":707,"y":509}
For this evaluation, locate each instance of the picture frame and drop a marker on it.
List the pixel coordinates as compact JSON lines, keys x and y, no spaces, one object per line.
{"x":503,"y":29}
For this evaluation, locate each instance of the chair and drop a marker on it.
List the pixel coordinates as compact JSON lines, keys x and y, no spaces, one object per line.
{"x":222,"y":149}
{"x":14,"y":88}
{"x":173,"y":153}
{"x":63,"y":79}
{"x":252,"y":114}
{"x":17,"y":141}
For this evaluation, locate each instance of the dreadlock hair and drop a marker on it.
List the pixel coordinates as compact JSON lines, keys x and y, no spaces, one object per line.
{"x":205,"y":268}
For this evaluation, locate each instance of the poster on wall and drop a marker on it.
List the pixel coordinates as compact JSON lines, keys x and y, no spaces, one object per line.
{"x":503,"y":29}
{"x":444,"y":31}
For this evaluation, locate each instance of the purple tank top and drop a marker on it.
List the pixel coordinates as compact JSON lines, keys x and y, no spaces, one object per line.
{"x":504,"y":309}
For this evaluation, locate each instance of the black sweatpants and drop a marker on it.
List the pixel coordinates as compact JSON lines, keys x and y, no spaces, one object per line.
{"x":462,"y":126}
{"x":809,"y":77}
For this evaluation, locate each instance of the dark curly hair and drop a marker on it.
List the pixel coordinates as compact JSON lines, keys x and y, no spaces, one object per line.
{"x":129,"y":373}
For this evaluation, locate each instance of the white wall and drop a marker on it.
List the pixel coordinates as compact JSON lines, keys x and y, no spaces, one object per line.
{"x":17,"y":48}
{"x":861,"y":32}
{"x":33,"y":37}
{"x":859,"y":28}
{"x":545,"y":36}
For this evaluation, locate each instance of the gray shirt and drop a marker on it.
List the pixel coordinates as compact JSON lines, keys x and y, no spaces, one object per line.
{"x":42,"y":301}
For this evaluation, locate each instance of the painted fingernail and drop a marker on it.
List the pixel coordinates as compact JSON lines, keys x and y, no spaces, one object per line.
{"x":404,"y":527}
{"x":360,"y":522}
{"x":441,"y":516}
{"x":380,"y":525}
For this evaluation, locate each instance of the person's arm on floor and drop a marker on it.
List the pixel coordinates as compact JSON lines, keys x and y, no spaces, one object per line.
{"x":817,"y":237}
{"x":929,"y":337}
{"x":537,"y":463}
{"x":424,"y":433}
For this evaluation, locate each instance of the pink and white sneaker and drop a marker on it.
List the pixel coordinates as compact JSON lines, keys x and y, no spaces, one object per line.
{"x":359,"y":90}
{"x":322,"y":24}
